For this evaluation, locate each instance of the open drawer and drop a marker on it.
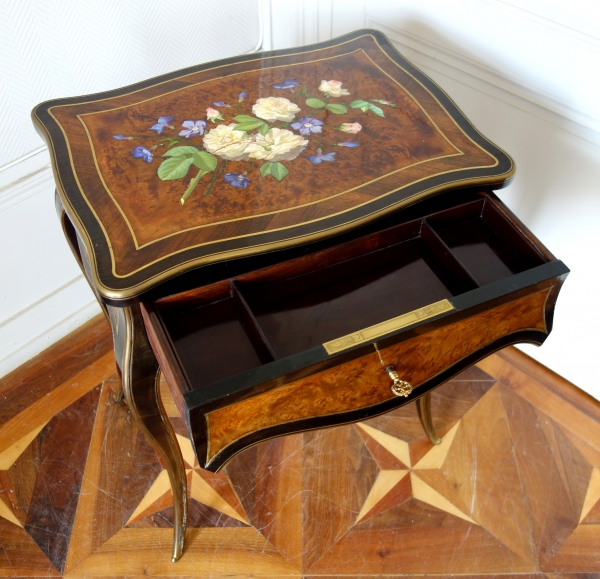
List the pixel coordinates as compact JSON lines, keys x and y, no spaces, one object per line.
{"x":310,"y":342}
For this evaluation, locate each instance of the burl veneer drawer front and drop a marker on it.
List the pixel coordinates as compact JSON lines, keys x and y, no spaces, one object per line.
{"x":308,"y":342}
{"x":363,"y":383}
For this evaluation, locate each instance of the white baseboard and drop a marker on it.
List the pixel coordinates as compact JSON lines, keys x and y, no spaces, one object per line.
{"x":68,"y":301}
{"x":20,"y":170}
{"x":25,"y":187}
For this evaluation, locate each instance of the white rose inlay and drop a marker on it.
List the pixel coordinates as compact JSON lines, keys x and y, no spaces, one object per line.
{"x":275,"y":109}
{"x":227,"y":143}
{"x":333,"y":88}
{"x":277,"y":145}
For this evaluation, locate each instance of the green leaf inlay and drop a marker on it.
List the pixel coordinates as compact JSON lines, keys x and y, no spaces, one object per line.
{"x":315,"y":103}
{"x":249,"y":125}
{"x":359,"y":104}
{"x":266,"y":169}
{"x":336,"y":109}
{"x":179,"y":151}
{"x":279,"y":171}
{"x":174,"y":167}
{"x":244,"y":118}
{"x":377,"y":110}
{"x":205,"y":161}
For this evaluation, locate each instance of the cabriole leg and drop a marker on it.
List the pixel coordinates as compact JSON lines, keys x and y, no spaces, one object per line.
{"x":424,"y":412}
{"x":140,"y":373}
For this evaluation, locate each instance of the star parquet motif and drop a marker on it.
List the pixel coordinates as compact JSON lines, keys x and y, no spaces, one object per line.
{"x":213,"y":490}
{"x":399,"y":480}
{"x":513,"y":489}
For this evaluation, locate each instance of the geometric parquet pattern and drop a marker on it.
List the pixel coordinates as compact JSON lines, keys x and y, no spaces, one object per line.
{"x":513,"y":490}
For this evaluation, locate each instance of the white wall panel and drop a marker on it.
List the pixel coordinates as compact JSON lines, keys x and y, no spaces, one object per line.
{"x":58,"y":48}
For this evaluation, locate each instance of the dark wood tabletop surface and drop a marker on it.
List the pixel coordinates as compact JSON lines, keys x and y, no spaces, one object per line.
{"x":254,"y":153}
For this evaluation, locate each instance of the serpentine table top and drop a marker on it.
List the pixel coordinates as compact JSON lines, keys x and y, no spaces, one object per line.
{"x":254,"y":153}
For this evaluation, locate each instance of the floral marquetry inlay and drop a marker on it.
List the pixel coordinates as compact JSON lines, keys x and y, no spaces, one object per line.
{"x":275,"y":132}
{"x":255,"y":153}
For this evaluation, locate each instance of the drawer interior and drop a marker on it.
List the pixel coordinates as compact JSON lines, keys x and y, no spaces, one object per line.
{"x":224,"y":329}
{"x":307,"y":309}
{"x":213,"y":339}
{"x":480,"y":237}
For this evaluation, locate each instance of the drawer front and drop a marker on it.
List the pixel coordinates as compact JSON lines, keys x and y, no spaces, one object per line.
{"x":363,"y":382}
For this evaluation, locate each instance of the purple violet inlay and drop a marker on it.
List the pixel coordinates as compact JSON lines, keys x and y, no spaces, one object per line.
{"x":287,"y":84}
{"x":238,"y":180}
{"x":162,"y":124}
{"x":221,"y":104}
{"x":121,"y":137}
{"x":348,"y":144}
{"x":242,"y":96}
{"x":142,"y":153}
{"x":320,"y":157}
{"x":194,"y":128}
{"x":307,"y":125}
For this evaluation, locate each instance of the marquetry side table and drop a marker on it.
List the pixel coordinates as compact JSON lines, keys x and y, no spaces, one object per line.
{"x":296,"y":239}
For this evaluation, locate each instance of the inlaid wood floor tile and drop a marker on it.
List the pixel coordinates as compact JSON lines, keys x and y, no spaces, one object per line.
{"x":550,"y":507}
{"x":119,"y":471}
{"x":513,"y":491}
{"x":268,"y":480}
{"x":44,"y":408}
{"x":63,"y":450}
{"x":497,"y":500}
{"x":583,"y":425}
{"x":210,"y":552}
{"x":464,"y":501}
{"x":55,"y":366}
{"x":557,"y":454}
{"x":581,"y":550}
{"x":420,"y":548}
{"x":20,"y":556}
{"x":338,"y":473}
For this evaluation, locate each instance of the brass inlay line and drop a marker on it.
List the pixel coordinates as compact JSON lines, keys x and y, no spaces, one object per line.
{"x":438,"y":102}
{"x":162,"y":95}
{"x":136,"y":288}
{"x":373,"y":332}
{"x":295,"y":207}
{"x":129,"y":226}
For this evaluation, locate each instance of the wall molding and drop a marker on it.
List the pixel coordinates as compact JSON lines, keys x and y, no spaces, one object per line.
{"x":32,"y":184}
{"x":551,"y":26}
{"x":316,"y":21}
{"x":41,"y":324}
{"x":493,"y":82}
{"x":60,"y":310}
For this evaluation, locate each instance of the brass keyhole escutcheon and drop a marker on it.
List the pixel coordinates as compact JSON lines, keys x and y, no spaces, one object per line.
{"x":399,"y":387}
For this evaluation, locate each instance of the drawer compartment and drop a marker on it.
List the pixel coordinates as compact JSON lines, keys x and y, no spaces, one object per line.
{"x":484,"y":242}
{"x":369,"y":282}
{"x":304,"y":343}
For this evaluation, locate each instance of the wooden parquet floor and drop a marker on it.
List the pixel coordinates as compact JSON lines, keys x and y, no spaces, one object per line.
{"x":513,"y":490}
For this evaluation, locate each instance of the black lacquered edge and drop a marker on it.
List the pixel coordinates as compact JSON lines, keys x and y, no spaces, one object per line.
{"x":114,"y":288}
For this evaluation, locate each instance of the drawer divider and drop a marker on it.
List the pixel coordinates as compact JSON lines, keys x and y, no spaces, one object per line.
{"x":454,"y":266}
{"x":251,"y":326}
